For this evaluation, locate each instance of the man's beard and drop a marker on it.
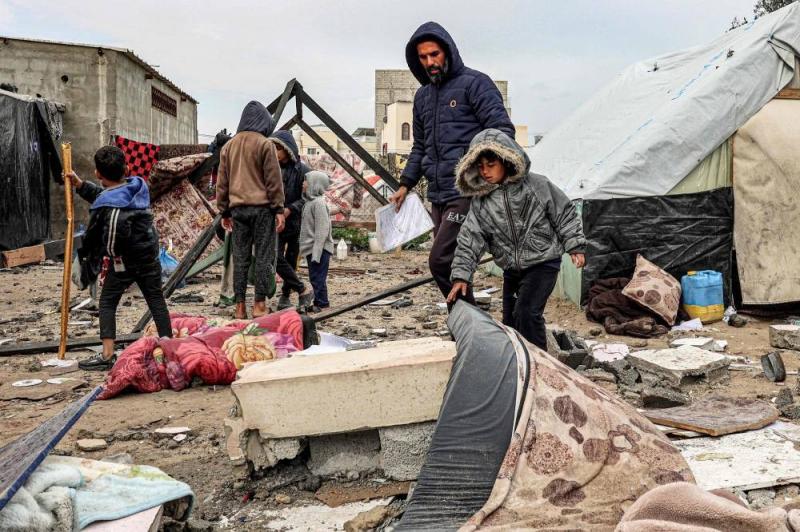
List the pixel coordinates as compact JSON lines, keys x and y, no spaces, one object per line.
{"x":437,"y":77}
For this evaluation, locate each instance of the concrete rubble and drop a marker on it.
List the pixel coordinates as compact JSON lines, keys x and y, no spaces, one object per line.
{"x":785,"y":336}
{"x":679,"y":367}
{"x":358,"y":411}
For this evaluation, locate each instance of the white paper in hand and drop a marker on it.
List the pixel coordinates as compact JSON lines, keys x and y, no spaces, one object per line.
{"x":396,"y":228}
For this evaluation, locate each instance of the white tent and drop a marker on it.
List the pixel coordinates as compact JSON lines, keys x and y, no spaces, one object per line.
{"x":695,"y":121}
{"x":653,"y":124}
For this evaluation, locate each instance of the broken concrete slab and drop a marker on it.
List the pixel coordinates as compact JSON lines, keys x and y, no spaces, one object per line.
{"x":662,"y":397}
{"x":404,"y":448}
{"x":394,"y":383}
{"x":267,"y":453}
{"x":703,"y":342}
{"x":170,"y":432}
{"x":753,"y":460}
{"x":338,"y":454}
{"x":785,"y":336}
{"x":717,"y":416}
{"x":677,"y":367}
{"x":91,"y":445}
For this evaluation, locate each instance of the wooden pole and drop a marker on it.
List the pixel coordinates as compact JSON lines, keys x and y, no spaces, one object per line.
{"x":66,"y":157}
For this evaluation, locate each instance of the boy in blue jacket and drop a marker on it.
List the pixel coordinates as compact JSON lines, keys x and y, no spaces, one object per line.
{"x":121,"y":241}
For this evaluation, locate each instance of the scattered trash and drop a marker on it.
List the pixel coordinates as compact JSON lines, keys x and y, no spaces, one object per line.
{"x":60,"y":380}
{"x":191,"y":297}
{"x":383,"y":333}
{"x":691,"y":325}
{"x":703,"y":342}
{"x":169,"y":432}
{"x":58,"y":363}
{"x":774,"y":370}
{"x":386,"y":302}
{"x":179,"y":437}
{"x":7,"y":340}
{"x":404,"y":302}
{"x":341,"y":250}
{"x":732,"y":318}
{"x":26,"y":382}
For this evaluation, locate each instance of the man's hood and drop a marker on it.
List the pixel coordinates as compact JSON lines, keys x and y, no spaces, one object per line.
{"x":255,"y":117}
{"x":318,"y":183}
{"x":134,"y":194}
{"x":431,"y":31}
{"x":468,"y":179}
{"x":286,"y":139}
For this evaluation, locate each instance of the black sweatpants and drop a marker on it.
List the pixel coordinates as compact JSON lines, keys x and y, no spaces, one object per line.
{"x":253,"y":233}
{"x":148,"y":279}
{"x":525,"y":295}
{"x":286,"y":263}
{"x":447,"y":220}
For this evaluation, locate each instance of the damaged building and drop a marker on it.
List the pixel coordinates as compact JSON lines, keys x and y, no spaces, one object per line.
{"x":105,"y":92}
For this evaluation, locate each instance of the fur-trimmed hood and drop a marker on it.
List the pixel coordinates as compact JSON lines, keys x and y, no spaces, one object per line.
{"x":468,"y":179}
{"x":431,"y":31}
{"x":286,"y":139}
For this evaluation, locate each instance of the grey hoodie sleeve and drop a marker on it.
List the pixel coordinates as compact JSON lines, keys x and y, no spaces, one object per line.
{"x":471,"y":245}
{"x":322,"y":228}
{"x":563,"y":215}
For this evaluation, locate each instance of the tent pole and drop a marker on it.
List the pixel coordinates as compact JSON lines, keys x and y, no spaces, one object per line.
{"x":66,"y":157}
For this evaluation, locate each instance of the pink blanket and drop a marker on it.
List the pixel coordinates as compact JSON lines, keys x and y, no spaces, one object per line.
{"x":197,"y":352}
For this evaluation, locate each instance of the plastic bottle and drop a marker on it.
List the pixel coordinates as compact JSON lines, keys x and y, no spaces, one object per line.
{"x":702,"y":295}
{"x":341,"y":249}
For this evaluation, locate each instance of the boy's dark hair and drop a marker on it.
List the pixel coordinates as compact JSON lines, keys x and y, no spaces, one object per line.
{"x":491,"y":156}
{"x":110,"y":162}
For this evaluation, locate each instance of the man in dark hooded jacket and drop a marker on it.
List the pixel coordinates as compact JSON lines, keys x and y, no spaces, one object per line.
{"x":294,"y":171}
{"x":453,"y":105}
{"x":250,"y":198}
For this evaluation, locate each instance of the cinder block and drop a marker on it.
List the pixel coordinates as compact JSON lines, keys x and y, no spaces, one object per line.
{"x":785,"y":336}
{"x":404,"y":448}
{"x":340,"y":454}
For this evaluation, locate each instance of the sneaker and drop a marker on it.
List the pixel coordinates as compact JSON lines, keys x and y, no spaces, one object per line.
{"x":313,"y":309}
{"x":97,"y":363}
{"x":306,"y":299}
{"x":284,"y":302}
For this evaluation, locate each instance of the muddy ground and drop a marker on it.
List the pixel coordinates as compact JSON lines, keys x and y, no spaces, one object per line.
{"x":29,"y":298}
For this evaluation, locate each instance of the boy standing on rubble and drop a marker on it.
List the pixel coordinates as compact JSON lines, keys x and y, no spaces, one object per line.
{"x":122,"y":243}
{"x":525,"y":221}
{"x":250,"y":198}
{"x":316,"y":240}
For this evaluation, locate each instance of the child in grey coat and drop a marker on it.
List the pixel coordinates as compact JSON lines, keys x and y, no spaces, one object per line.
{"x":316,"y":241}
{"x":525,"y":221}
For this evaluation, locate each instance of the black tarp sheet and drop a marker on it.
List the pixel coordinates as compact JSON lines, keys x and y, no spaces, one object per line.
{"x":677,"y":233}
{"x":474,"y":428}
{"x":28,"y":159}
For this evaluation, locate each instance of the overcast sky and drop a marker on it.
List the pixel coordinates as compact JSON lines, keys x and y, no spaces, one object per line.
{"x":554,"y":54}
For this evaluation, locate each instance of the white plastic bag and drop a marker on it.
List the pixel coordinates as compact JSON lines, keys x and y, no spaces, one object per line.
{"x":397,"y":228}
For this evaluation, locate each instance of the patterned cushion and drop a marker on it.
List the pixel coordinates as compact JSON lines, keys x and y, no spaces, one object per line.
{"x":655,"y":289}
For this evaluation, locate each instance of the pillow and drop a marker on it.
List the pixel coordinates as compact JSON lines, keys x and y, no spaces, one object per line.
{"x":654,"y":289}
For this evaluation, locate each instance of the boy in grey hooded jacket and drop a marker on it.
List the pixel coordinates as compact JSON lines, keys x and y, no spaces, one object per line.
{"x":525,"y":221}
{"x":316,"y":241}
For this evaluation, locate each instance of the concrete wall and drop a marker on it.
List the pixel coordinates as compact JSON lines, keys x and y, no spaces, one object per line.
{"x":105,"y":93}
{"x":134,"y":116}
{"x":395,"y":85}
{"x":522,"y":135}
{"x":308,"y":146}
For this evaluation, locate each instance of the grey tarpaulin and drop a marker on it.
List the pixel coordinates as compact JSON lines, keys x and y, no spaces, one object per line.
{"x":474,"y":428}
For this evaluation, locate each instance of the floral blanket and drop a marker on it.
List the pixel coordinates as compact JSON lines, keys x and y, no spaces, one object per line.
{"x":578,"y":458}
